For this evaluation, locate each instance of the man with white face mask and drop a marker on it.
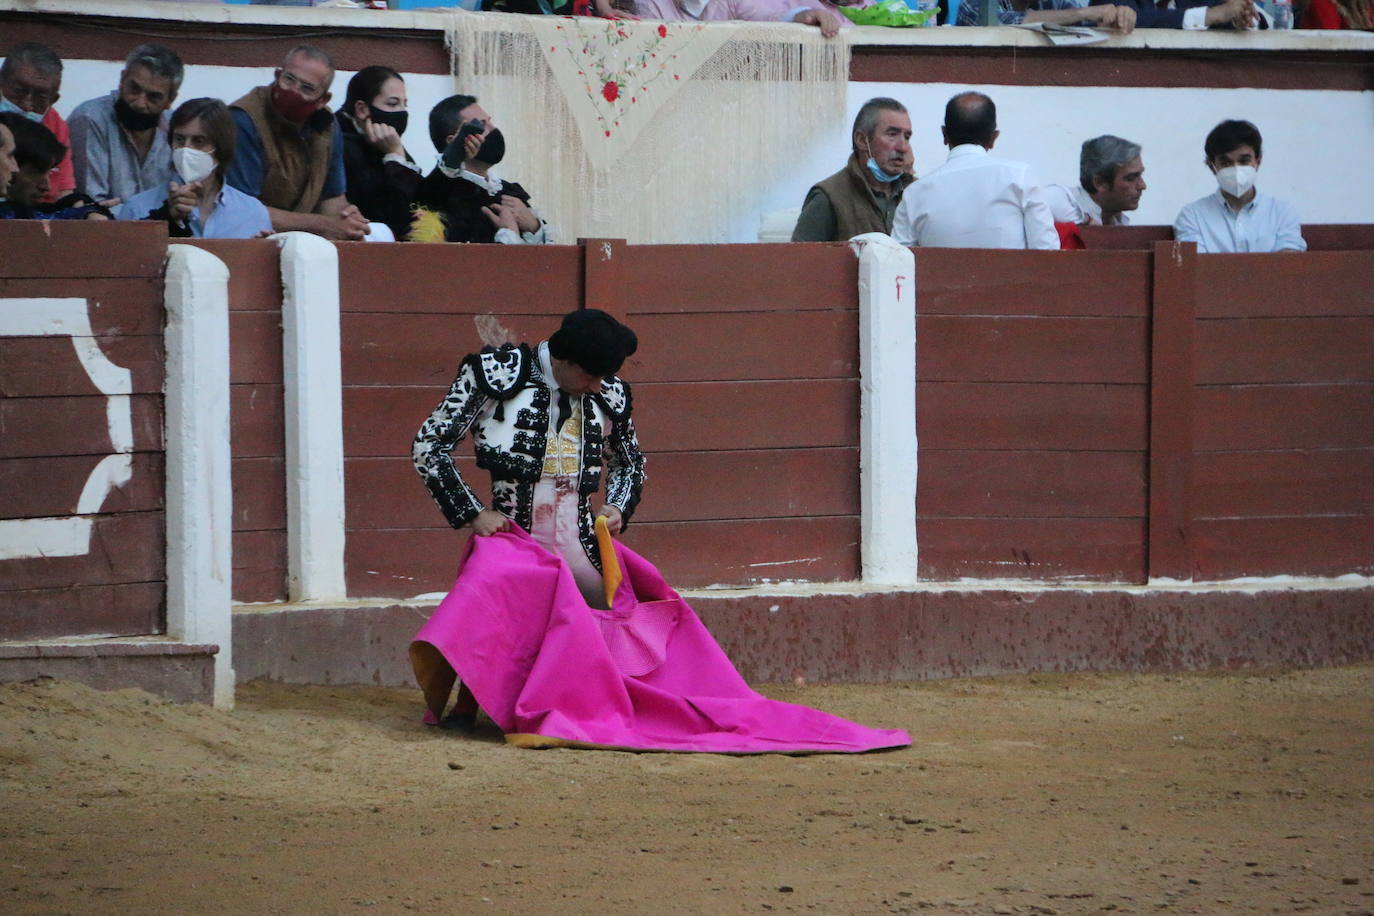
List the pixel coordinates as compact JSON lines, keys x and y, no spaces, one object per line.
{"x":1238,"y":218}
{"x":863,"y":196}
{"x":197,"y":203}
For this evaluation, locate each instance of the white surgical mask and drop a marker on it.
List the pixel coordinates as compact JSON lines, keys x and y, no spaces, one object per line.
{"x":1237,"y":180}
{"x":192,"y":164}
{"x":7,"y":105}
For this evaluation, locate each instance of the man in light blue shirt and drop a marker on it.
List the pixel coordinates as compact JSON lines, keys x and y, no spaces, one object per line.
{"x":198,"y":203}
{"x":119,"y":141}
{"x":1238,"y":218}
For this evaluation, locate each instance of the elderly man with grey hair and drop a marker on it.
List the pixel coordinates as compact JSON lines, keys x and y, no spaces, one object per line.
{"x":30,"y":85}
{"x":1110,"y":182}
{"x":119,"y":140}
{"x":863,"y":196}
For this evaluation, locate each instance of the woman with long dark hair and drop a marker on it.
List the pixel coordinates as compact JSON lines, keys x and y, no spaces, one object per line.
{"x":382,"y":178}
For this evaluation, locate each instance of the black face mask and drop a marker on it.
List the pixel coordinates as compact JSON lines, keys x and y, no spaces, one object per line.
{"x":134,"y":120}
{"x":493,"y":148}
{"x":396,"y":119}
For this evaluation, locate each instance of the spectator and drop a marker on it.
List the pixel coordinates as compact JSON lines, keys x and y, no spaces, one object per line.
{"x":289,"y":150}
{"x":863,"y":196}
{"x":974,"y":200}
{"x":382,"y":178}
{"x":670,"y":10}
{"x":1238,"y":218}
{"x":30,"y":85}
{"x":1110,"y":182}
{"x":471,"y":204}
{"x":1338,"y":14}
{"x":119,"y":141}
{"x":7,"y":164}
{"x":820,"y":13}
{"x":36,"y":153}
{"x":200,"y":204}
{"x":1124,"y":15}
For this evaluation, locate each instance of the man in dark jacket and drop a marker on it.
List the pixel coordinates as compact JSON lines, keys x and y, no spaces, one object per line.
{"x":863,"y":196}
{"x":472,"y":204}
{"x":34,"y":152}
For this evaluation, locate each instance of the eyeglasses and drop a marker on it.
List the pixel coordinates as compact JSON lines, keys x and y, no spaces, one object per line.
{"x":292,"y":81}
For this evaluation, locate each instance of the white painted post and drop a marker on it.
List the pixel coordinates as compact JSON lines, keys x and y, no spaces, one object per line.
{"x":887,"y":425}
{"x":199,"y":520}
{"x":314,"y":418}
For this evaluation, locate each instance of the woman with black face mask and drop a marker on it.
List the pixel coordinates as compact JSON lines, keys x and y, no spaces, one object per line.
{"x":382,"y":178}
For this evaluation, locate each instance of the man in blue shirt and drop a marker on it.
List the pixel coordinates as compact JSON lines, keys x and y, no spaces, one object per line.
{"x":289,"y":152}
{"x":1237,"y":218}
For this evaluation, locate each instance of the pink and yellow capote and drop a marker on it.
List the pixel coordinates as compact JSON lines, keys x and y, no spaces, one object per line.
{"x":645,"y":675}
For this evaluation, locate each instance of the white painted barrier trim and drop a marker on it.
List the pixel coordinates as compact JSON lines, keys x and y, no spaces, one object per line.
{"x":199,"y":486}
{"x":887,"y":423}
{"x":71,"y":536}
{"x":313,"y":398}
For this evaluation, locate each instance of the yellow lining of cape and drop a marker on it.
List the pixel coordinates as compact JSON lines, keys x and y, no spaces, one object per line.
{"x":532,"y":742}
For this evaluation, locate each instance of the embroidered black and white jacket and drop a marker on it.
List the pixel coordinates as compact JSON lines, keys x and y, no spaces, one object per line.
{"x":501,"y":395}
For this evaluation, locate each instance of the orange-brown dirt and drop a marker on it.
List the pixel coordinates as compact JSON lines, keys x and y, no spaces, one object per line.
{"x":1237,"y":793}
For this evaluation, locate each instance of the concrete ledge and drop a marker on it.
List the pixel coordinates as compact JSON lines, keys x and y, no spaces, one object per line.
{"x":181,"y":672}
{"x":895,"y":635}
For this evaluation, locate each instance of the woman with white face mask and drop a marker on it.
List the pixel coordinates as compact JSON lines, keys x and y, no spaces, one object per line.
{"x":197,"y":203}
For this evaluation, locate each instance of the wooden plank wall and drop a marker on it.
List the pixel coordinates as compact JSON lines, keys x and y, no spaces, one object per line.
{"x":1319,"y":236}
{"x":409,"y":314}
{"x":1284,"y":474}
{"x":745,"y":388}
{"x":55,"y":430}
{"x":747,"y":402}
{"x":258,"y":441}
{"x":1032,"y":405}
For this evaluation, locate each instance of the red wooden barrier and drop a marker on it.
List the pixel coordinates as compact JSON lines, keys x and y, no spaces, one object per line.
{"x":258,"y":442}
{"x":1032,"y":402}
{"x":1285,"y":414}
{"x":1319,"y":236}
{"x":55,"y":430}
{"x":739,"y":490}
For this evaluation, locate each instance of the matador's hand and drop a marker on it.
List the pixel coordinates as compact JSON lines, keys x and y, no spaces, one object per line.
{"x":489,"y":522}
{"x":614,"y":520}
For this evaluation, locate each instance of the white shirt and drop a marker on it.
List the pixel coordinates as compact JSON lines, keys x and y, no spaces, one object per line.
{"x":975,"y":201}
{"x":1264,"y":224}
{"x":1072,"y":204}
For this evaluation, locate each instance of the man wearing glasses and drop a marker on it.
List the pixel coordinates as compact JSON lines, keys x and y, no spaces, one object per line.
{"x":289,"y":152}
{"x":30,"y":83}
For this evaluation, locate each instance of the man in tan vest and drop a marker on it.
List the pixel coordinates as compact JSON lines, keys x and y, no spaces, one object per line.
{"x":863,"y":196}
{"x":289,"y":151}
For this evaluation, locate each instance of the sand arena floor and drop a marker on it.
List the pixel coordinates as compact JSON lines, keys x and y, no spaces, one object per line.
{"x":1241,"y":793}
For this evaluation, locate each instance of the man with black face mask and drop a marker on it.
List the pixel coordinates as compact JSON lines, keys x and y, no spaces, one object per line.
{"x":461,"y":201}
{"x":289,"y":151}
{"x":119,"y":141}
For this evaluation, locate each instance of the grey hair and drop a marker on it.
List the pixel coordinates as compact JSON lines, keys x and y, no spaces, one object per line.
{"x":866,"y":121}
{"x":312,"y":53}
{"x":1101,"y":157}
{"x":40,"y":57}
{"x":161,"y":62}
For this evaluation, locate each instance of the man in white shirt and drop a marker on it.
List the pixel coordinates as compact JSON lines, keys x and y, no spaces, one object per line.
{"x":974,"y":200}
{"x":1237,"y":218}
{"x":1111,"y":179}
